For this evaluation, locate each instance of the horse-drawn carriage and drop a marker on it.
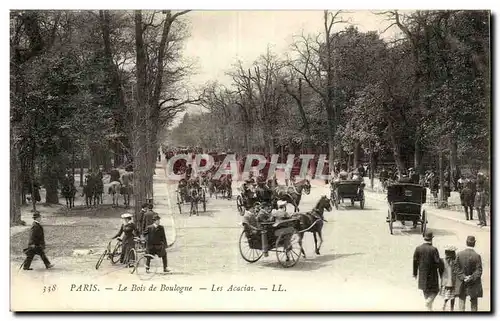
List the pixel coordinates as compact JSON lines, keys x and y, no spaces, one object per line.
{"x":247,"y":197}
{"x":282,"y":238}
{"x":353,"y":189}
{"x":189,"y":192}
{"x":406,"y":204}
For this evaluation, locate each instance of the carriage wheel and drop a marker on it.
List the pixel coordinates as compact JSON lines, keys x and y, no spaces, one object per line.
{"x":391,"y":221}
{"x":179,"y":202}
{"x":288,"y":249}
{"x":101,"y":258}
{"x":117,"y":251}
{"x":248,"y":254}
{"x":140,"y":267}
{"x":239,"y":205}
{"x":132,"y":263}
{"x":362,"y":203}
{"x":424,"y":222}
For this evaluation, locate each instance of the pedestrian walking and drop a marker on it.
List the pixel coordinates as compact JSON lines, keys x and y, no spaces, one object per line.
{"x":480,"y":205}
{"x":36,"y":244}
{"x":426,"y":264}
{"x":467,"y":199}
{"x":448,"y":277}
{"x":469,"y":269}
{"x":156,"y":243}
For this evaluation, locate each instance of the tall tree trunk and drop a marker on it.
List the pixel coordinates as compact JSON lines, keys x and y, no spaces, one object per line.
{"x":453,"y":160}
{"x":81,"y":168}
{"x":140,"y":116}
{"x":418,"y":156}
{"x":15,"y":182}
{"x":395,"y":147}
{"x":51,"y":183}
{"x":372,"y":167}
{"x":356,"y":154}
{"x":442,"y":195}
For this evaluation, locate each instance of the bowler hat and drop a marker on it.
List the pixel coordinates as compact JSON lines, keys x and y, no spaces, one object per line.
{"x":156,"y":217}
{"x":471,"y":239}
{"x":428,"y":236}
{"x":36,"y":215}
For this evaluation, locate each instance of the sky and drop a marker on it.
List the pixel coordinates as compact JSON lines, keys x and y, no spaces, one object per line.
{"x":219,"y":38}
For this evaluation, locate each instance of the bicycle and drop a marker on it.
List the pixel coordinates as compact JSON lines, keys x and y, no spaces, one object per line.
{"x":112,"y":255}
{"x":139,"y":266}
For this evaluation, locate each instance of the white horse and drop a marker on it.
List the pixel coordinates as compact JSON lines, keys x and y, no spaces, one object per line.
{"x":114,"y":191}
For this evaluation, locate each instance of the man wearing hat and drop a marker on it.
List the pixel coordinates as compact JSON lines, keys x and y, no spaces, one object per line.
{"x":36,"y":244}
{"x":280,"y":213}
{"x":426,"y":263}
{"x":148,"y":218}
{"x":469,"y":269}
{"x":156,"y":242}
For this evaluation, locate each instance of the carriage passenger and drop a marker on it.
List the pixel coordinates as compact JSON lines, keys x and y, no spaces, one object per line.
{"x":280,"y":213}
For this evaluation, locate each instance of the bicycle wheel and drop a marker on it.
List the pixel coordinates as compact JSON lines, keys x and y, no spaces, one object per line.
{"x":117,"y":252}
{"x":101,"y":258}
{"x":131,"y":260}
{"x":140,"y":268}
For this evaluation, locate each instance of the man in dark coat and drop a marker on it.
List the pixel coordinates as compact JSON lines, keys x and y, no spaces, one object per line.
{"x":140,"y":221}
{"x":148,"y":218}
{"x":467,"y":196}
{"x":427,"y":263}
{"x":156,"y":243}
{"x":468,"y":268}
{"x":114,"y":175}
{"x":36,"y":244}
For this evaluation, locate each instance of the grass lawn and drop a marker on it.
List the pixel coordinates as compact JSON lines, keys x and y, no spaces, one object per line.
{"x":80,"y":228}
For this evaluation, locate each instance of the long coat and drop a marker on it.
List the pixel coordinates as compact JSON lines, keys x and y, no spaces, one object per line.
{"x":426,"y":262}
{"x":468,"y":262}
{"x":37,"y":237}
{"x":156,"y":239}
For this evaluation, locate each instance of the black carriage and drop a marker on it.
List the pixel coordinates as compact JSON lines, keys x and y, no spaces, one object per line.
{"x":245,"y":201}
{"x":351,"y":189}
{"x":406,"y":204}
{"x":184,"y":197}
{"x":282,"y":238}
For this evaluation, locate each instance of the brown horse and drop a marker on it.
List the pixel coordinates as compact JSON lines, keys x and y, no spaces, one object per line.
{"x":312,"y":222}
{"x":292,"y":194}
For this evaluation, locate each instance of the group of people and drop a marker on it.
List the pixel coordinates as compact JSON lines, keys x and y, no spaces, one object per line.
{"x":460,"y":273}
{"x":148,"y":228}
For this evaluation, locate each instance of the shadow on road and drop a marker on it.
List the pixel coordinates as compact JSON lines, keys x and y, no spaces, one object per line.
{"x":312,"y":262}
{"x":417,"y":231}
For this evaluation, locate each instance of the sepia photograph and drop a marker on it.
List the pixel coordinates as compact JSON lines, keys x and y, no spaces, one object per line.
{"x":250,"y":160}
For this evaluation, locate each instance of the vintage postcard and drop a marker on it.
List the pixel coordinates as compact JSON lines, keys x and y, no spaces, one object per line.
{"x":190,"y":160}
